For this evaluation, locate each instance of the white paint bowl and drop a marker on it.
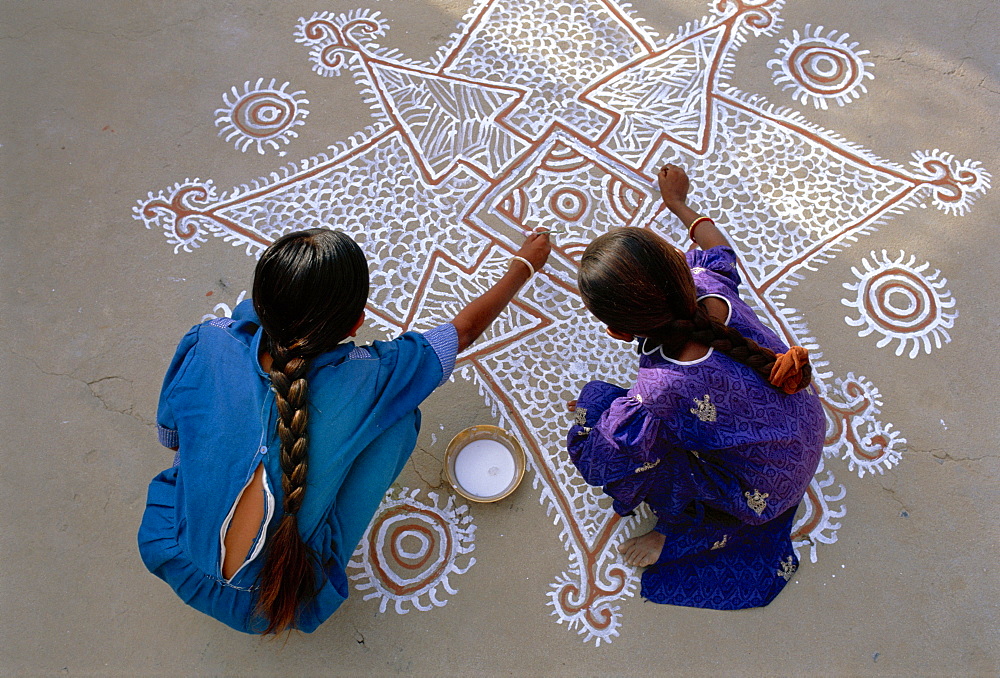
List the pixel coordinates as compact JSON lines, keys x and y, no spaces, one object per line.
{"x":484,"y":463}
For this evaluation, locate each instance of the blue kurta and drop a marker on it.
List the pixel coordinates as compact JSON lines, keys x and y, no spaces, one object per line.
{"x":218,"y":407}
{"x":721,"y":458}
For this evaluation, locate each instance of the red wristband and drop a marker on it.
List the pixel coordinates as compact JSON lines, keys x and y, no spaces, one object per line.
{"x":695,"y":223}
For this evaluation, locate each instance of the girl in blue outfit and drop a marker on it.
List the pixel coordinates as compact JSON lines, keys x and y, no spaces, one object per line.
{"x":287,"y":439}
{"x":719,"y":435}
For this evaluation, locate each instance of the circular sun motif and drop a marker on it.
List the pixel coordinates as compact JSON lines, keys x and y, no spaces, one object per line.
{"x":410,"y":550}
{"x":261,"y":116}
{"x":821,"y":67}
{"x":901,"y":302}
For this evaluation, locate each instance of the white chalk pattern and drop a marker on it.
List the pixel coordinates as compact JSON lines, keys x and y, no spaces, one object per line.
{"x":412,"y":550}
{"x":558,"y":113}
{"x":903,"y":302}
{"x":821,"y":68}
{"x":261,"y":116}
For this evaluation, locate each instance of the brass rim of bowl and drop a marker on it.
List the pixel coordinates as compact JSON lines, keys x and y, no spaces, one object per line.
{"x":485,"y":432}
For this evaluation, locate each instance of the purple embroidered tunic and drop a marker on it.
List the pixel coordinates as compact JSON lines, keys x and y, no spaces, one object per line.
{"x":707,"y":444}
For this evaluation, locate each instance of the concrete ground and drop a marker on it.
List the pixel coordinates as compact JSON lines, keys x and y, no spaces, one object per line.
{"x":109,"y":107}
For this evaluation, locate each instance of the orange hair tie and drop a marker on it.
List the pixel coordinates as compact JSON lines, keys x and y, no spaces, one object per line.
{"x":787,"y":371}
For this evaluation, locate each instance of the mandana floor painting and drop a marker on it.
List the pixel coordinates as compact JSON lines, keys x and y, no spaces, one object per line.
{"x":150,"y":153}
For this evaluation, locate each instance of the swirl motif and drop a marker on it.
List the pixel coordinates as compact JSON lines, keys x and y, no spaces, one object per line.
{"x":955,"y":184}
{"x":263,"y":114}
{"x":183,"y":212}
{"x":334,"y":38}
{"x":897,"y":300}
{"x":758,"y":15}
{"x":568,"y":191}
{"x":855,"y":432}
{"x":590,"y":605}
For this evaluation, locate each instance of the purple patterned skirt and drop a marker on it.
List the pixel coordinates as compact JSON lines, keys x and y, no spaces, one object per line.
{"x":722,"y":564}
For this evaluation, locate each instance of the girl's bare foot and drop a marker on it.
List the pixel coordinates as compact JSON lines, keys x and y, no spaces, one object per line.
{"x":643,"y":551}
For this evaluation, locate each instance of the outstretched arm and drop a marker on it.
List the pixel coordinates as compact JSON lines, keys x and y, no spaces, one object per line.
{"x":674,"y":184}
{"x":472,"y":320}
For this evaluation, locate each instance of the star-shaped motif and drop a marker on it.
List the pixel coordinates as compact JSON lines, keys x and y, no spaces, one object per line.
{"x":559,"y":113}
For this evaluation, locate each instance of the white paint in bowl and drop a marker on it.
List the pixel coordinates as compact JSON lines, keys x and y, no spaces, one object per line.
{"x":485,"y":468}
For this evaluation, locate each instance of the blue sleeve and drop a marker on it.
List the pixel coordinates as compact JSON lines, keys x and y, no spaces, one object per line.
{"x":719,"y":260}
{"x":166,"y":423}
{"x":444,"y":340}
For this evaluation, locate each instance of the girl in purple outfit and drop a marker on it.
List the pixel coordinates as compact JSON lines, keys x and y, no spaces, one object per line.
{"x":719,"y":436}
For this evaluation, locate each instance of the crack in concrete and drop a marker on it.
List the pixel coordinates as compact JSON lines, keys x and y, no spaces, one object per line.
{"x":982,"y":85}
{"x":130,"y":412}
{"x":977,"y":18}
{"x":416,"y":469}
{"x":947,"y":456}
{"x":430,"y":454}
{"x":950,"y":71}
{"x":904,"y":511}
{"x":90,"y":384}
{"x":943,"y":455}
